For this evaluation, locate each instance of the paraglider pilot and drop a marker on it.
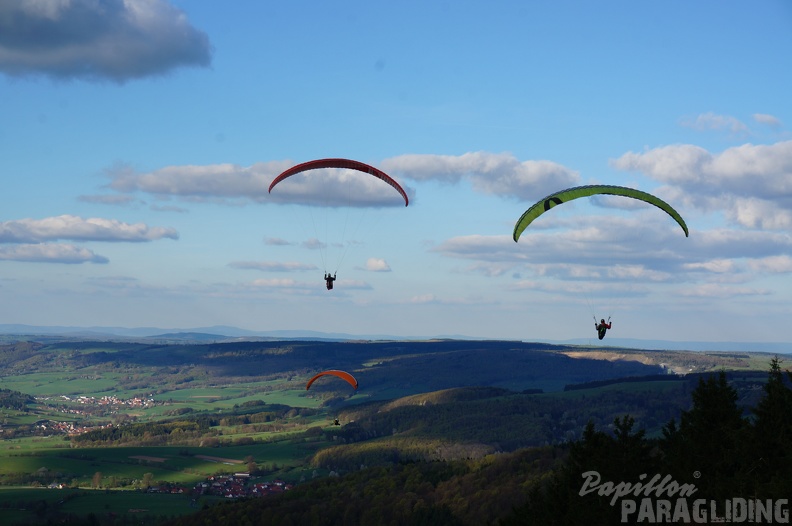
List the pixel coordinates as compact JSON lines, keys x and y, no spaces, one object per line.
{"x":329,"y":279}
{"x":602,"y":327}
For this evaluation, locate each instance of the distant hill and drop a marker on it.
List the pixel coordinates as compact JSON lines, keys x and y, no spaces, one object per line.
{"x":228,"y":333}
{"x":215,"y":331}
{"x":668,"y":345}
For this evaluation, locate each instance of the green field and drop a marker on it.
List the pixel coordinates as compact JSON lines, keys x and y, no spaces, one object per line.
{"x":30,"y":506}
{"x":185,"y":465}
{"x":56,"y":384}
{"x":656,"y":386}
{"x":126,"y":467}
{"x":220,"y":407}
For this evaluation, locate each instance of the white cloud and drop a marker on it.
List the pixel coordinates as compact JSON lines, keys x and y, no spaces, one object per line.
{"x":600,"y":241}
{"x":280,"y":283}
{"x":272,"y":266}
{"x":76,"y":228}
{"x":490,"y":269}
{"x":601,"y":272}
{"x":168,"y":208}
{"x":549,"y":287}
{"x":114,"y":282}
{"x":318,"y":285}
{"x":713,"y":121}
{"x":423,"y":298}
{"x":780,"y":264}
{"x":761,"y":170}
{"x":719,"y":290}
{"x":623,"y":251}
{"x":670,"y":164}
{"x":490,"y":173}
{"x":50,"y":253}
{"x":753,"y":212}
{"x":751,"y":184}
{"x":723,"y":243}
{"x":200,"y":182}
{"x":277,"y":242}
{"x":113,"y":199}
{"x":329,"y":187}
{"x":718,"y":266}
{"x":377,"y":265}
{"x":498,"y":174}
{"x":313,"y":244}
{"x":351,"y":284}
{"x":479,"y":247}
{"x":127,"y":287}
{"x":98,"y":39}
{"x":767,"y":120}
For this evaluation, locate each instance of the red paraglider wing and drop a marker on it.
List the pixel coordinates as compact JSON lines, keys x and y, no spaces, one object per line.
{"x":341,"y":163}
{"x":341,"y":374}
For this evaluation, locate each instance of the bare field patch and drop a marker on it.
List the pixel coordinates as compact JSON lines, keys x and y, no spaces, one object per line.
{"x":219,"y":459}
{"x":150,"y":459}
{"x":611,"y":356}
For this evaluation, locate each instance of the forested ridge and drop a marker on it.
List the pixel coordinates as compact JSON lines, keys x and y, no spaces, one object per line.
{"x":380,"y":367}
{"x":736,"y":453}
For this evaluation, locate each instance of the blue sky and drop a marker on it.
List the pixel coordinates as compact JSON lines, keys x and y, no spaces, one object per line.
{"x":138,"y":139}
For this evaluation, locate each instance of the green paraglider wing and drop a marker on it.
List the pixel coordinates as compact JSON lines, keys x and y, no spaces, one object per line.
{"x":341,"y":374}
{"x":585,"y":191}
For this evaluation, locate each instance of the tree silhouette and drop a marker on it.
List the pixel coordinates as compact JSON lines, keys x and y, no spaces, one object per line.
{"x":772,"y":436}
{"x":710,"y":440}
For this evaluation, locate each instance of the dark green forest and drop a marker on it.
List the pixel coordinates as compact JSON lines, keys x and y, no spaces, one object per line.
{"x":716,"y":450}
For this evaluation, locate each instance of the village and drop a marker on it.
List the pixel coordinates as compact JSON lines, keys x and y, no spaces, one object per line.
{"x":105,"y":401}
{"x":238,"y":485}
{"x":86,"y":406}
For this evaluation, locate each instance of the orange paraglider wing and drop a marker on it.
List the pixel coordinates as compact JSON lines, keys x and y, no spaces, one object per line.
{"x":341,"y":374}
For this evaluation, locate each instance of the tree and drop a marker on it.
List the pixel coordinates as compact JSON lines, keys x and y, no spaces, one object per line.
{"x":557,"y":500}
{"x":631,"y":449}
{"x":252,"y":467}
{"x":710,"y":439}
{"x":96,"y":482}
{"x":772,"y":436}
